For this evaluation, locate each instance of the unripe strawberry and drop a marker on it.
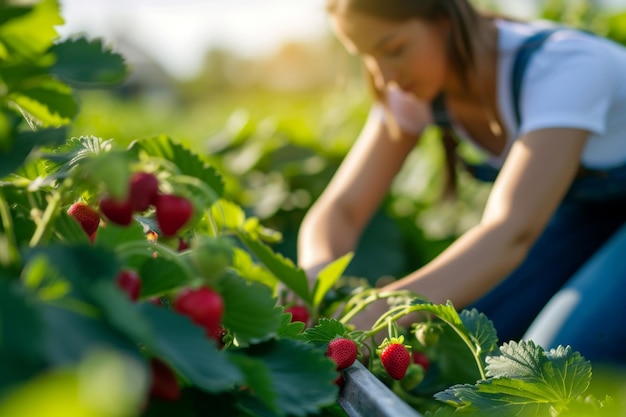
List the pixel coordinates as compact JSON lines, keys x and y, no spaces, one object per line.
{"x":413,"y":377}
{"x":164,"y":384}
{"x":203,"y":305}
{"x":298,"y":313}
{"x":87,"y":217}
{"x":212,"y":255}
{"x":129,"y":282}
{"x":343,"y":351}
{"x":428,"y":333}
{"x":117,"y":211}
{"x":172,"y":213}
{"x":143,"y":190}
{"x":396,"y":359}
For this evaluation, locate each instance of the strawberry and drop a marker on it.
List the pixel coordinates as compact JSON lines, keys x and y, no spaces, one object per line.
{"x":172,"y":213}
{"x":129,"y":282}
{"x":298,"y":313}
{"x":87,"y":217}
{"x":144,"y":188}
{"x":164,"y":384}
{"x":396,"y":359}
{"x":217,"y":334}
{"x":343,"y":351}
{"x":413,"y":377}
{"x":428,"y":333}
{"x":182,"y":245}
{"x":203,"y":305}
{"x":420,"y":358}
{"x":212,"y":255}
{"x":118,"y":212}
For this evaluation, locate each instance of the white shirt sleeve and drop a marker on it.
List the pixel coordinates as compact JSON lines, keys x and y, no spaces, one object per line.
{"x":567,"y":84}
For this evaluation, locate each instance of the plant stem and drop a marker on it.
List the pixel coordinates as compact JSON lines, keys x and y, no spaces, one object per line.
{"x":44,"y":227}
{"x":398,"y":312}
{"x":7,"y":223}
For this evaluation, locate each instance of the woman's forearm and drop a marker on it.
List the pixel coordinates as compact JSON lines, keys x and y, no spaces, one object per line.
{"x":326,"y":234}
{"x":470,"y":267}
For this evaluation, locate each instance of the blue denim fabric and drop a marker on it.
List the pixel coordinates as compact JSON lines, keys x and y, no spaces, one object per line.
{"x":576,"y":270}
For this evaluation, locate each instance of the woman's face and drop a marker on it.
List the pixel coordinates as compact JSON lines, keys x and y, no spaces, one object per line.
{"x":411,"y":53}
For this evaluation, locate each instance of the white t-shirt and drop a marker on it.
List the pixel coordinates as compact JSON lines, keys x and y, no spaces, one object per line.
{"x":574,"y":80}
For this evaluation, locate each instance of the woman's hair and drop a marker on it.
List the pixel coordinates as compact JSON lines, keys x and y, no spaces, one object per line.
{"x":463,"y":17}
{"x":464,"y":20}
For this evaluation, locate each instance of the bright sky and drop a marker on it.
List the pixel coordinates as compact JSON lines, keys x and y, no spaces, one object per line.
{"x":178,"y":32}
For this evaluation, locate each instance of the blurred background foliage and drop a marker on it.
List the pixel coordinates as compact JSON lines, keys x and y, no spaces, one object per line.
{"x":278,"y":126}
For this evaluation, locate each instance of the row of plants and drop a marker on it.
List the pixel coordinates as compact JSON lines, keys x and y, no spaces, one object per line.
{"x":130,"y":285}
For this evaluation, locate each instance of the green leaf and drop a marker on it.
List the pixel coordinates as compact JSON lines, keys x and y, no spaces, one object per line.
{"x":472,"y":402}
{"x":70,"y":335}
{"x":188,"y":162}
{"x":302,"y":376}
{"x":49,"y":104}
{"x":558,"y":375}
{"x":72,"y":152}
{"x":87,"y":64}
{"x":119,"y":311}
{"x":258,"y":378}
{"x":325,"y":331}
{"x":24,"y":146}
{"x":524,"y":380}
{"x":289,"y":329}
{"x":159,"y":276}
{"x":329,"y":276}
{"x":28,"y":34}
{"x":250,"y":311}
{"x":186,"y":348}
{"x":21,"y":336}
{"x":111,"y":235}
{"x":80,"y":264}
{"x":228,"y":215}
{"x":245,"y":267}
{"x":481,"y":331}
{"x":282,"y":268}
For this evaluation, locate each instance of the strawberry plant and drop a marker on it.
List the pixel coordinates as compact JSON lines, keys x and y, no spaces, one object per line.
{"x":201,"y":332}
{"x":78,"y":214}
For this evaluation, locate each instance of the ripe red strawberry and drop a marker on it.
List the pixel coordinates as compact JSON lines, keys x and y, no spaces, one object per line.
{"x":203,"y":305}
{"x":298,"y":313}
{"x":396,"y":359}
{"x":143,"y":190}
{"x":164,"y":384}
{"x":343,"y":351}
{"x":420,"y":358}
{"x":87,"y":217}
{"x":172,"y":213}
{"x":129,"y":282}
{"x":118,"y":212}
{"x":217,"y":334}
{"x":183,"y":245}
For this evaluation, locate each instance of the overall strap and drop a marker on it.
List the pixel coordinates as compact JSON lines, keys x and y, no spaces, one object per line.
{"x":522,"y":58}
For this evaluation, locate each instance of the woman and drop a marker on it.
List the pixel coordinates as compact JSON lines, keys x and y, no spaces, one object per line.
{"x":550,"y":248}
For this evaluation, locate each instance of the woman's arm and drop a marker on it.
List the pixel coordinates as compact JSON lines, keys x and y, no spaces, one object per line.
{"x":333,"y":225}
{"x":530,"y":186}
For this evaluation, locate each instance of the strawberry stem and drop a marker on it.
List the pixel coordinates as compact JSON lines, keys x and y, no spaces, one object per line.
{"x":44,"y":229}
{"x":8,"y":227}
{"x":396,"y":313}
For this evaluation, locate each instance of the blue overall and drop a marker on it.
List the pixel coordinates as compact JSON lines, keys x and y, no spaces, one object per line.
{"x":571,"y":288}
